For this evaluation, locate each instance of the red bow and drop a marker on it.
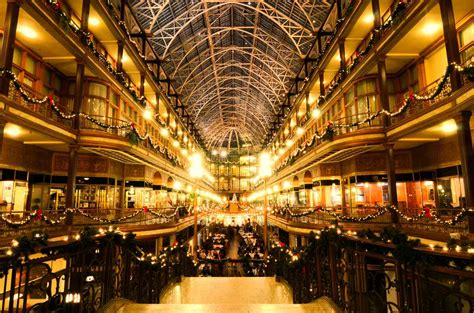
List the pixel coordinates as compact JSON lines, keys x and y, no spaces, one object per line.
{"x":145,"y":210}
{"x":57,"y":5}
{"x":411,"y":95}
{"x":50,"y":99}
{"x":427,"y":212}
{"x":39,"y":215}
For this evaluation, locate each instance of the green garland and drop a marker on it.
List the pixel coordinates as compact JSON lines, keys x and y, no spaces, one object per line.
{"x":23,"y":247}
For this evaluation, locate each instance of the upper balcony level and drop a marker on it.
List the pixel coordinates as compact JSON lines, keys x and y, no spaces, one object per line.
{"x":128,"y":94}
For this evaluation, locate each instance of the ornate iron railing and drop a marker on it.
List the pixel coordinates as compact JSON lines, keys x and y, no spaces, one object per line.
{"x":84,"y":275}
{"x":360,"y":275}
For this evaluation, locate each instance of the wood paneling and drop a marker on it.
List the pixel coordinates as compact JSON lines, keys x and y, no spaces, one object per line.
{"x":25,"y":157}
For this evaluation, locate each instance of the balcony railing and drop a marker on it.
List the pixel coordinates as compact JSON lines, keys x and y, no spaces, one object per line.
{"x":11,"y":226}
{"x":426,"y":226}
{"x":362,"y":275}
{"x":43,"y":109}
{"x":83,"y":275}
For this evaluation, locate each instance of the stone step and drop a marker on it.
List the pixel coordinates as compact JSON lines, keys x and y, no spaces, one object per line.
{"x":224,"y":294}
{"x":321,"y":305}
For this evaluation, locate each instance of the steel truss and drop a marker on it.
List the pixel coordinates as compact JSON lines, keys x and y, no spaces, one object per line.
{"x":232,"y":62}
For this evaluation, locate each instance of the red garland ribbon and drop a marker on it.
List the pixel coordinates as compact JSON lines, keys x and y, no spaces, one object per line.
{"x":427,"y":212}
{"x":38,"y":215}
{"x":282,"y":244}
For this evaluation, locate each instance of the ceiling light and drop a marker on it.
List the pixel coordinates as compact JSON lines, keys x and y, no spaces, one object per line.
{"x":223,"y":153}
{"x":12,"y":130}
{"x":368,"y":19}
{"x":214,"y":152}
{"x":300,"y":131}
{"x":289,"y":143}
{"x":27,"y":31}
{"x":94,"y":21}
{"x":449,"y":127}
{"x":184,"y":151}
{"x":125,"y":58}
{"x":176,"y":143}
{"x":147,"y":114}
{"x":430,"y":28}
{"x":164,"y":132}
{"x":316,"y":112}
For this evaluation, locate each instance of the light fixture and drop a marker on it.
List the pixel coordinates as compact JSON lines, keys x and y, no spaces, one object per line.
{"x":175,"y":143}
{"x":147,"y":114}
{"x":289,"y":143}
{"x":286,"y":185}
{"x":164,"y":132}
{"x":177,"y":185}
{"x":223,"y":154}
{"x":94,"y":21}
{"x":125,"y":58}
{"x":449,"y":127}
{"x":12,"y":130}
{"x":316,"y":112}
{"x":368,"y":19}
{"x":28,"y":31}
{"x":184,"y":151}
{"x":430,"y":28}
{"x":300,"y":131}
{"x":214,"y":152}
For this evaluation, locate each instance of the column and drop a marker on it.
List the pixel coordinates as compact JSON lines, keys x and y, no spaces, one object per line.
{"x":71,"y":180}
{"x":142,"y":84}
{"x":172,"y":239}
{"x":383,"y":87}
{"x":467,"y":160}
{"x":450,"y":39}
{"x":392,"y":182}
{"x":119,"y":55}
{"x":342,"y":56}
{"x":78,"y":93}
{"x":122,"y":200}
{"x":309,"y":196}
{"x":343,"y":195}
{"x":158,"y":245}
{"x":376,"y":14}
{"x":9,"y":35}
{"x":86,"y":5}
{"x":322,"y":91}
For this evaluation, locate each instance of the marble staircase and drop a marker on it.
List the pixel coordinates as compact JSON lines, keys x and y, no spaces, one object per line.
{"x":224,"y":294}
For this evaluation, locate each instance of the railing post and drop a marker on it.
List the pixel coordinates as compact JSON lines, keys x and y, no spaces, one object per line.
{"x":9,"y":36}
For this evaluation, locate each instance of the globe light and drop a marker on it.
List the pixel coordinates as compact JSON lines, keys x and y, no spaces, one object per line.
{"x":147,"y":114}
{"x":164,"y":132}
{"x":316,"y":112}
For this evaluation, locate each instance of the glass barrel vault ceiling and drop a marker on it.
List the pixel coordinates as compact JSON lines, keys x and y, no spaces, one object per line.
{"x":232,"y":62}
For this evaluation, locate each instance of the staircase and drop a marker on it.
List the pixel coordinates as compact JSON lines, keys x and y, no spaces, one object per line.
{"x":224,"y":294}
